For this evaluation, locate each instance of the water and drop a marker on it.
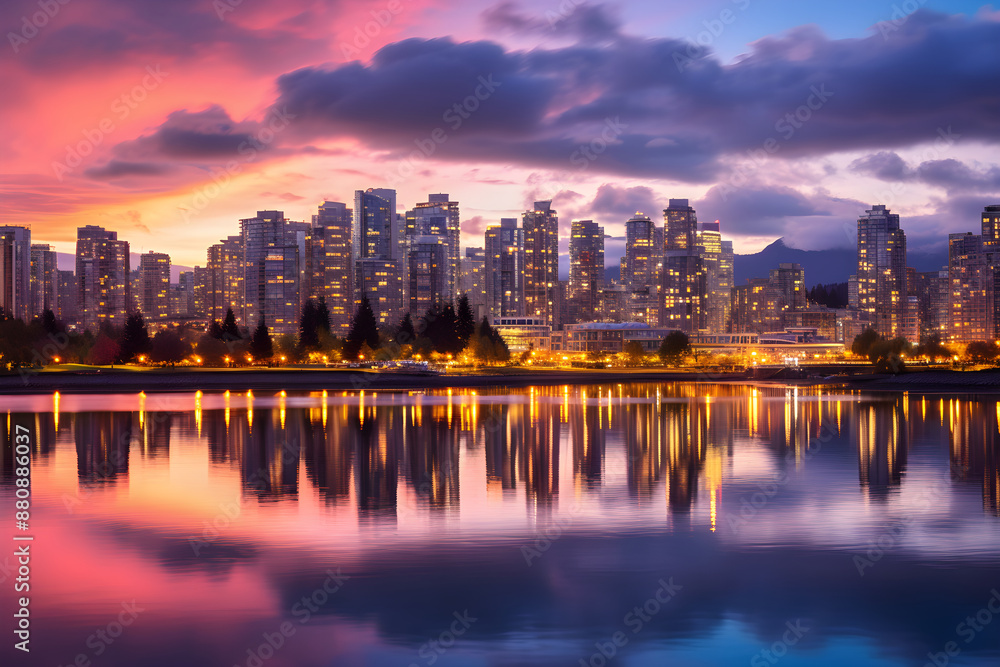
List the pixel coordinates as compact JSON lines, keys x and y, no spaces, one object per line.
{"x":603,"y":525}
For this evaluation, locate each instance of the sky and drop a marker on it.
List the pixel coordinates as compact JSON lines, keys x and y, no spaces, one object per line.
{"x":168,"y":122}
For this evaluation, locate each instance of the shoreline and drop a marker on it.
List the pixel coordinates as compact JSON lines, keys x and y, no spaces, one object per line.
{"x":306,"y":379}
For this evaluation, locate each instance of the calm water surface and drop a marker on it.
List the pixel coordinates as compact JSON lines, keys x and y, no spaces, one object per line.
{"x":634,"y":524}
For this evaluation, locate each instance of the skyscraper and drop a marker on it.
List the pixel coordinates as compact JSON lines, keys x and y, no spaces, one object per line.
{"x":640,"y":268}
{"x":586,"y":270}
{"x":15,"y":271}
{"x":441,"y":215}
{"x":684,"y":274}
{"x":379,"y":251}
{"x":472,"y":282}
{"x":504,"y":269}
{"x":541,"y":263}
{"x":430,"y":273}
{"x":154,"y":286}
{"x":272,"y":253}
{"x":44,"y":280}
{"x":331,"y":269}
{"x":974,"y":289}
{"x":717,"y":256}
{"x":882,"y":270}
{"x":68,"y":311}
{"x":222,"y":280}
{"x":102,"y":274}
{"x":991,"y":226}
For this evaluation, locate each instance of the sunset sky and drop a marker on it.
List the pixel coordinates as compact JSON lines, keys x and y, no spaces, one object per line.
{"x":170,"y":121}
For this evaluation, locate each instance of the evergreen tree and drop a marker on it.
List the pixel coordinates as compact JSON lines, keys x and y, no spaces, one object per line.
{"x":466,"y":322}
{"x":215,"y":330}
{"x":309,"y":326}
{"x":675,"y":345}
{"x":323,"y":316}
{"x":51,"y":325}
{"x":230,"y":331}
{"x":364,"y":329}
{"x":406,"y":334}
{"x":134,"y":339}
{"x":261,"y":346}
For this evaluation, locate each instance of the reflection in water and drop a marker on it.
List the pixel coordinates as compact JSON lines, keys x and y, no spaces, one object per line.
{"x":675,"y":436}
{"x":755,"y":498}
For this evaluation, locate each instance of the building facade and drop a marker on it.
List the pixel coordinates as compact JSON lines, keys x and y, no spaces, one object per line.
{"x":103,"y":277}
{"x":586,"y":270}
{"x":504,"y":258}
{"x":541,"y":263}
{"x":882,"y":270}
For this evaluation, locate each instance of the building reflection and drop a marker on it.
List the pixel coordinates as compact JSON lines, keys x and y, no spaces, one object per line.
{"x":103,"y":441}
{"x":430,"y":442}
{"x":882,"y":443}
{"x":501,"y":432}
{"x":973,"y":429}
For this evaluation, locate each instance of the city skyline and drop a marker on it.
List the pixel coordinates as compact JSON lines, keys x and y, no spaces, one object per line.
{"x":158,"y":149}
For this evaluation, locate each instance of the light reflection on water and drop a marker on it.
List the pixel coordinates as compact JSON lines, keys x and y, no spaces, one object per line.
{"x":547,"y":513}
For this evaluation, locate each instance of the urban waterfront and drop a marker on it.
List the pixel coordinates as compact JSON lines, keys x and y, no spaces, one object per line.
{"x":635,"y":524}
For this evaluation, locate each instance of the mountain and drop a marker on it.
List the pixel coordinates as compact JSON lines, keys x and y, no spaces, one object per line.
{"x":821,"y":266}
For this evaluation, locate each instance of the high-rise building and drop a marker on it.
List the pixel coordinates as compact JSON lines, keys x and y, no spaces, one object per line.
{"x":272,"y":257}
{"x":379,"y":251}
{"x":15,"y":271}
{"x":44,"y":280}
{"x":102,"y":274}
{"x":472,"y":282}
{"x":185,"y":282}
{"x":541,"y":263}
{"x":974,"y":286}
{"x":330,"y":268}
{"x":430,"y":273}
{"x":931,"y":291}
{"x":640,"y":271}
{"x":68,"y":295}
{"x":717,"y":256}
{"x":768,"y":304}
{"x":154,"y":286}
{"x":504,"y":269}
{"x":684,"y":274}
{"x":440,"y":215}
{"x":991,"y":226}
{"x":882,"y":270}
{"x":221,"y":280}
{"x":586,"y":270}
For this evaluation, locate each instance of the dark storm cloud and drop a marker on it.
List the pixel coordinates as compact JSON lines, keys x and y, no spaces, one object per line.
{"x":623,"y":203}
{"x":119,"y":169}
{"x":193,"y":136}
{"x":585,"y":20}
{"x":640,"y":107}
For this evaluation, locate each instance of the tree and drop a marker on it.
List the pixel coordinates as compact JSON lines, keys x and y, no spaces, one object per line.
{"x":932,"y":348}
{"x":134,"y":340}
{"x":168,"y":347}
{"x":309,"y":326}
{"x":465,"y":325}
{"x":364,"y":330}
{"x":212,"y":350}
{"x":51,"y":325}
{"x":105,"y":350}
{"x":982,"y":352}
{"x":887,"y":355}
{"x":260,"y":343}
{"x":634,"y":354}
{"x":322,"y":316}
{"x":487,"y":345}
{"x":440,"y":326}
{"x":230,"y":331}
{"x":406,"y":334}
{"x":864,"y":341}
{"x":674,"y":346}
